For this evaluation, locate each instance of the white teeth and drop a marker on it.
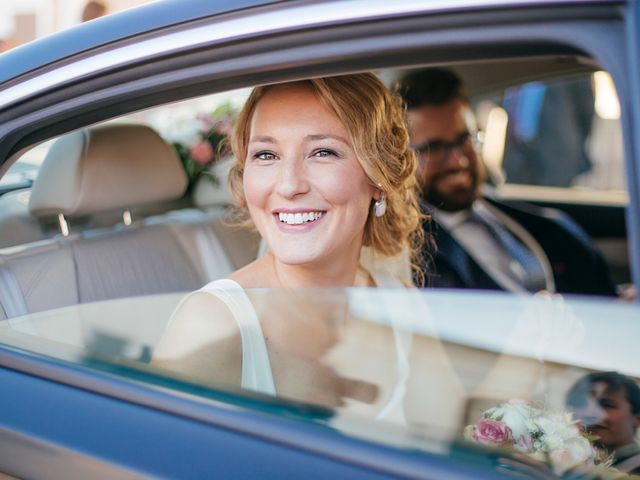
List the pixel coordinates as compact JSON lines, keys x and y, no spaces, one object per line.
{"x":299,"y":218}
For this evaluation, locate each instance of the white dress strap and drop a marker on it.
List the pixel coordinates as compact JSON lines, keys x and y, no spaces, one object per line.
{"x":256,"y":368}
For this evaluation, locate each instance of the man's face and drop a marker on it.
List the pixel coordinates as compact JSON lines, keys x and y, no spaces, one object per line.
{"x":449,"y":171}
{"x":607,"y":414}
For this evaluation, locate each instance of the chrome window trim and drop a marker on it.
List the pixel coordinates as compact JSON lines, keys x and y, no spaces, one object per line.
{"x":260,"y":23}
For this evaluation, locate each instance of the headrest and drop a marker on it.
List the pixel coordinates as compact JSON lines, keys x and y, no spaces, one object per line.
{"x":207,"y":194}
{"x":110,"y":167}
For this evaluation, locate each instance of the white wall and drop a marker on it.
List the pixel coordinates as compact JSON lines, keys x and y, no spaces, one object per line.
{"x":50,"y":15}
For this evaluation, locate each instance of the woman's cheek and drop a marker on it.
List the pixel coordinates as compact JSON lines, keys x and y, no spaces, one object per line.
{"x":340,"y":185}
{"x":256,"y":187}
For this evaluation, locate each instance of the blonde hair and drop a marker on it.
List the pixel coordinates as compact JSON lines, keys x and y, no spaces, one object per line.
{"x":374,"y":118}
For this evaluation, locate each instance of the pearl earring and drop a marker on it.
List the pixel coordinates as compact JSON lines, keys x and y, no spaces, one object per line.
{"x":380,"y":206}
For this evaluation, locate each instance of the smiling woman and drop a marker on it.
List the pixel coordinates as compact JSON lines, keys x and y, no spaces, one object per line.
{"x":313,"y":383}
{"x":323,"y":168}
{"x":305,"y":190}
{"x":351,"y":129}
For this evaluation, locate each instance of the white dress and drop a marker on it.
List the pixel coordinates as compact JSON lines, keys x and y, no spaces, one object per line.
{"x":256,"y":367}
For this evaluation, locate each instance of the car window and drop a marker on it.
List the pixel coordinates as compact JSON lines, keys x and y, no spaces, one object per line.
{"x":97,"y":285}
{"x":196,"y":129}
{"x":563,"y":132}
{"x":23,"y":173}
{"x":366,"y":360}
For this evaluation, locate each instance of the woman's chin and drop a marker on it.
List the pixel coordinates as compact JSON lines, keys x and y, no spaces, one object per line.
{"x":295,"y":256}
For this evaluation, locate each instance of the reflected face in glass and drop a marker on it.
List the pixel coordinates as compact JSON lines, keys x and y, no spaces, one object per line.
{"x":607,"y":414}
{"x":305,"y":188}
{"x":448,"y":168}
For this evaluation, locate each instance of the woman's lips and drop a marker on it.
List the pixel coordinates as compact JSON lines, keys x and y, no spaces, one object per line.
{"x":298,"y":221}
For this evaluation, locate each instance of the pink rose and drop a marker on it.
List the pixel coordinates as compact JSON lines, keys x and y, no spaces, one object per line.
{"x":202,"y":152}
{"x":491,"y":432}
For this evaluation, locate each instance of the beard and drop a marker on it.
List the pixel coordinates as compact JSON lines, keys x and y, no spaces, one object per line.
{"x":455,"y":200}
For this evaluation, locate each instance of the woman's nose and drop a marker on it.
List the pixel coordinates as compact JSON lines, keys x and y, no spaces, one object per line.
{"x":292,"y":179}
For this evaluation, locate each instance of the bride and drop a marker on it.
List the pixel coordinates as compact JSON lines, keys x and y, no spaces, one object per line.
{"x":324,"y":170}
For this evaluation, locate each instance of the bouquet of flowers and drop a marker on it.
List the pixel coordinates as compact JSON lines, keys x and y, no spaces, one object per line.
{"x":551,"y":437}
{"x":206,"y":144}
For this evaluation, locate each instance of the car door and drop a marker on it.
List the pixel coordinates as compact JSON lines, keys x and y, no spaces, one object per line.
{"x":93,"y":412}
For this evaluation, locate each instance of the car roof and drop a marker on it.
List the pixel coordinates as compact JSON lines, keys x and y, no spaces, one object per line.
{"x":167,"y":13}
{"x":110,"y":28}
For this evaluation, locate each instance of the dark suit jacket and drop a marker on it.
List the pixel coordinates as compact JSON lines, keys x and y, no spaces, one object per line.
{"x":578,"y":267}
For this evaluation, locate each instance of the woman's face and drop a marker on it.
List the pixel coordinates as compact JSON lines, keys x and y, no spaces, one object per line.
{"x":305,"y":189}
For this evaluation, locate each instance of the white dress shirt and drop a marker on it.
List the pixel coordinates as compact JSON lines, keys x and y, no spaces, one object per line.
{"x":485,"y":249}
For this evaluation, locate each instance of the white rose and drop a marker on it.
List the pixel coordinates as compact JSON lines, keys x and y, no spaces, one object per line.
{"x":576,"y":451}
{"x":580,"y":449}
{"x":517,"y":415}
{"x":552,"y":441}
{"x":546,"y":426}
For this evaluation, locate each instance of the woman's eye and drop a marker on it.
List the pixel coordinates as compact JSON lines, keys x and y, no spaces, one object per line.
{"x":324,"y":152}
{"x":265,"y":156}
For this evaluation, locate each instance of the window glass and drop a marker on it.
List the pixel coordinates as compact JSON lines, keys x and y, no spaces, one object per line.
{"x":421,"y":364}
{"x":22,"y":173}
{"x":412,"y":360}
{"x":558,"y":133}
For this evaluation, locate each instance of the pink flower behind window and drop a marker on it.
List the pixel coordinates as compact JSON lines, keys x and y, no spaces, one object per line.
{"x":490,"y":432}
{"x":202,"y":152}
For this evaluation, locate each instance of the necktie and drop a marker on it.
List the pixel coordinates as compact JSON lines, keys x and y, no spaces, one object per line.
{"x":520,"y":263}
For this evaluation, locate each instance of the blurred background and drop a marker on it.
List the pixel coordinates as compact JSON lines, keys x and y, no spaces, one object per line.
{"x":24,"y":20}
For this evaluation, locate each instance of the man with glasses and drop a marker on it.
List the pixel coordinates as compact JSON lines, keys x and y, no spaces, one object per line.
{"x":482,"y":243}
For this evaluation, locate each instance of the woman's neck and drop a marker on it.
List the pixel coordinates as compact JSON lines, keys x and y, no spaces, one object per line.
{"x":268,"y":272}
{"x":338,"y":274}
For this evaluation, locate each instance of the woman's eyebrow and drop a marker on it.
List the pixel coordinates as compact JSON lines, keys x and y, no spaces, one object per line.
{"x":262,"y":139}
{"x":326,"y":136}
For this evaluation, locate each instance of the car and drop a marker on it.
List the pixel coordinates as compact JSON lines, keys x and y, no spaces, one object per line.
{"x":124,"y":218}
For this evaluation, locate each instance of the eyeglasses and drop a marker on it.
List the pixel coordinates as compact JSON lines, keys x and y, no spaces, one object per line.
{"x":440,"y":150}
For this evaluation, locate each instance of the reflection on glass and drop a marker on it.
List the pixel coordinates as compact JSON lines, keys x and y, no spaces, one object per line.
{"x":426,"y":363}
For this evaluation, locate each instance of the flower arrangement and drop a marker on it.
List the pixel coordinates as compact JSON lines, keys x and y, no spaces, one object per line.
{"x":551,"y":437}
{"x":206,"y":143}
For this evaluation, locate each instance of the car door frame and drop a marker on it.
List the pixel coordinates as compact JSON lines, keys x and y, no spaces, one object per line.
{"x":254,"y":60}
